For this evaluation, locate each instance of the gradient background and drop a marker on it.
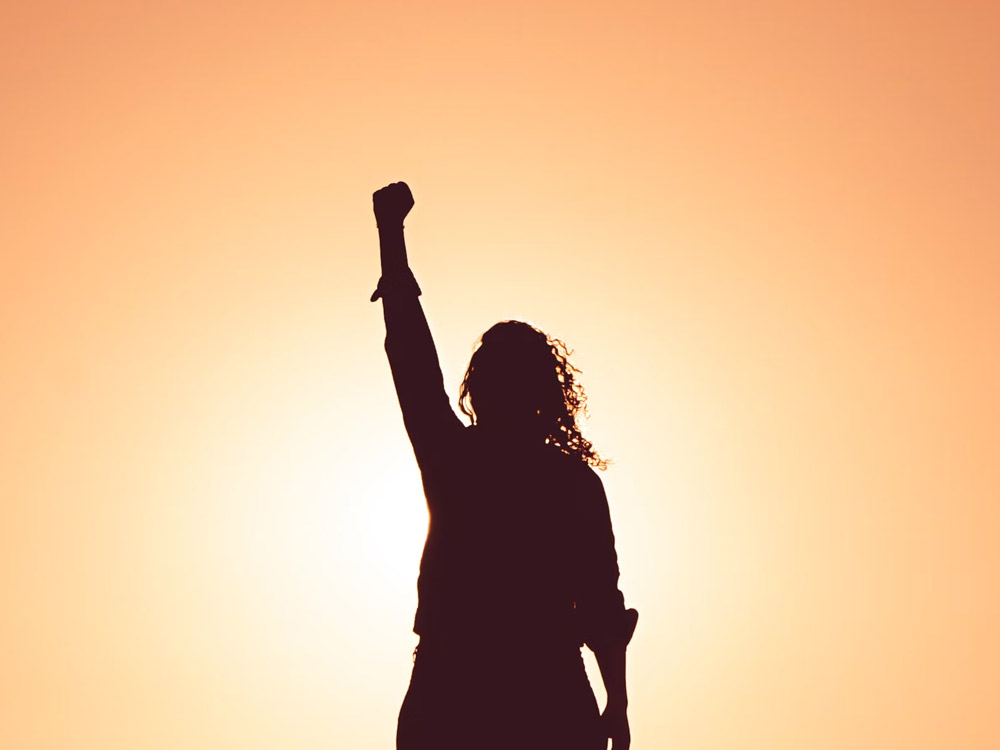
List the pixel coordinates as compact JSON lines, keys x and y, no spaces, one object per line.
{"x":768,"y":229}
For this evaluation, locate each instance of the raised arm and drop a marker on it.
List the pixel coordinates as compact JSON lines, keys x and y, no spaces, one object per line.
{"x":430,"y":422}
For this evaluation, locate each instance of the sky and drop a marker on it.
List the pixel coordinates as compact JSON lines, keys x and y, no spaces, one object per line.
{"x":768,"y":231}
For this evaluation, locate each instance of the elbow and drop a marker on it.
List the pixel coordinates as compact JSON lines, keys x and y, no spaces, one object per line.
{"x":391,"y":344}
{"x":612,"y":633}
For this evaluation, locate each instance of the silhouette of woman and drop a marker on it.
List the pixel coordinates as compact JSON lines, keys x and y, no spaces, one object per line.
{"x":519,"y":569}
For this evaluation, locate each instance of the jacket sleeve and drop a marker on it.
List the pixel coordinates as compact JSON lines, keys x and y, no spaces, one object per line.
{"x":600,"y":605}
{"x":430,"y":422}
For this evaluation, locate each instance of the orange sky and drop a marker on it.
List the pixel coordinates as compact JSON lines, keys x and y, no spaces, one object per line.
{"x":769,"y":230}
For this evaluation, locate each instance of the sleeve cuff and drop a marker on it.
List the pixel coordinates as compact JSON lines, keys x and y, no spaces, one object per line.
{"x":618,"y":635}
{"x":396,"y":285}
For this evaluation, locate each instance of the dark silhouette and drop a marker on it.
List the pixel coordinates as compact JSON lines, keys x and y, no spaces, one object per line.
{"x":519,"y":569}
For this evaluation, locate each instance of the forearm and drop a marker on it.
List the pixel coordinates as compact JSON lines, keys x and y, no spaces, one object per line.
{"x":611,"y":660}
{"x":392,"y":249}
{"x":408,"y":341}
{"x":408,"y":337}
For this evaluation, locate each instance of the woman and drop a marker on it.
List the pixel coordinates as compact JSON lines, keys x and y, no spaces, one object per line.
{"x":519,"y":569}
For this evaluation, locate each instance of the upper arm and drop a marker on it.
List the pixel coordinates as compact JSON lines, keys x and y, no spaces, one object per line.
{"x":602,"y":604}
{"x":430,"y":421}
{"x":599,"y":553}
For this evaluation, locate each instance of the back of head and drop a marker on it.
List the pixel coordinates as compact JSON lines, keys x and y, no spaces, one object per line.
{"x":519,"y":382}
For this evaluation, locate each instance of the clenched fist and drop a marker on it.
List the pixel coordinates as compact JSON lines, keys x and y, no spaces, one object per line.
{"x":392,"y":203}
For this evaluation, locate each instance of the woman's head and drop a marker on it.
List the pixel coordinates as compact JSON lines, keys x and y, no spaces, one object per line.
{"x":521,"y":381}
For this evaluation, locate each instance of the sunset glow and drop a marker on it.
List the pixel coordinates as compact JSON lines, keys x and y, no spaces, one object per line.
{"x":767,"y":230}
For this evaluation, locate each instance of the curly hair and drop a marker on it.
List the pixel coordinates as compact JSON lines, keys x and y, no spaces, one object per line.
{"x":516,"y":355}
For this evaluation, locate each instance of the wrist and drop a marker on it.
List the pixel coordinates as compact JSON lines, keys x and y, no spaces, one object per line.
{"x":617,"y":696}
{"x":616,"y":704}
{"x":389,"y":226}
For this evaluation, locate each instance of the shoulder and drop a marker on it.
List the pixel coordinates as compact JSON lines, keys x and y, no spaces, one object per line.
{"x":573,"y":471}
{"x":585,"y":484}
{"x":586,"y":474}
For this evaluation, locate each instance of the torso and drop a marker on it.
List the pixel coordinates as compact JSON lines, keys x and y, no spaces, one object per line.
{"x":498,"y":561}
